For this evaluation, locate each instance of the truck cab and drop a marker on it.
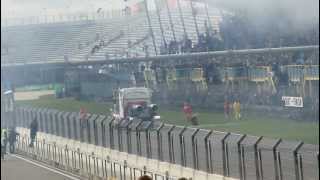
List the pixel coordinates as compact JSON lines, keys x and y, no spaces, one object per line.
{"x":134,"y":103}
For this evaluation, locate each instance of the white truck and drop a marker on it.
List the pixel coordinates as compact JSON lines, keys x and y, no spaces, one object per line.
{"x":134,"y":103}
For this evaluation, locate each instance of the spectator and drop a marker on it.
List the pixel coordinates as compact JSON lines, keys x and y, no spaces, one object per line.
{"x":83,"y":116}
{"x":129,"y":43}
{"x":163,"y":49}
{"x":146,"y":49}
{"x":183,"y":178}
{"x":106,"y":55}
{"x":102,"y":44}
{"x":12,"y":139}
{"x":97,"y":37}
{"x":33,"y":131}
{"x":236,"y":108}
{"x":186,"y":44}
{"x":187,"y":109}
{"x":226,"y":107}
{"x":4,"y":142}
{"x":145,"y":177}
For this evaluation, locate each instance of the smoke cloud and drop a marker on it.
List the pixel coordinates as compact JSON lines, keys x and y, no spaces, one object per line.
{"x":298,"y":13}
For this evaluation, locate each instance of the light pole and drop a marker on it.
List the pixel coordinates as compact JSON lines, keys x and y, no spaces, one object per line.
{"x":181,"y":18}
{"x":160,"y":23}
{"x":170,"y":20}
{"x":194,"y":18}
{"x":150,"y":26}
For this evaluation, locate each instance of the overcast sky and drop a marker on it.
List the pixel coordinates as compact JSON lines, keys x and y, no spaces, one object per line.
{"x":297,"y":10}
{"x":22,"y":8}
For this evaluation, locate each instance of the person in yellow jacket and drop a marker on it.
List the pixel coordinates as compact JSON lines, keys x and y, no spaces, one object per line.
{"x":237,"y":110}
{"x":234,"y":104}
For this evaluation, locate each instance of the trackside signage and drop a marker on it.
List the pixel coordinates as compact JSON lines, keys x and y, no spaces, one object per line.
{"x":292,"y":101}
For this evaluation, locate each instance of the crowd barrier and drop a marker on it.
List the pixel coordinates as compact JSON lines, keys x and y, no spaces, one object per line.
{"x":228,"y":154}
{"x":81,"y":163}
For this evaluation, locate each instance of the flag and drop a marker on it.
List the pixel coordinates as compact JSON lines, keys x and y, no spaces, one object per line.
{"x":138,"y":7}
{"x":173,"y":4}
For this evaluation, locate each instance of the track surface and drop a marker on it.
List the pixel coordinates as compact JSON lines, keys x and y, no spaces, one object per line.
{"x":14,"y":168}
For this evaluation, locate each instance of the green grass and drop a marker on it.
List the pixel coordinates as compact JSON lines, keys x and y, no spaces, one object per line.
{"x":67,"y":104}
{"x":253,"y":124}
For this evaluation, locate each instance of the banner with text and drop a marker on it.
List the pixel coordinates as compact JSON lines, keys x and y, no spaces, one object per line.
{"x":292,"y":101}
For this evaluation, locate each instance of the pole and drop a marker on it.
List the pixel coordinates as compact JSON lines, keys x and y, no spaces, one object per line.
{"x":160,"y":23}
{"x":150,"y":26}
{"x":170,"y":20}
{"x":194,"y":18}
{"x":275,"y":157}
{"x":181,"y":18}
{"x":207,"y":12}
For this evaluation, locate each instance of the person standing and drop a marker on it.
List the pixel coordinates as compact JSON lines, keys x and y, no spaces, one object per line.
{"x":33,"y":131}
{"x":237,"y":110}
{"x":226,"y":108}
{"x":12,"y":139}
{"x":187,"y":109}
{"x":234,"y":108}
{"x":4,"y":141}
{"x":83,"y":117}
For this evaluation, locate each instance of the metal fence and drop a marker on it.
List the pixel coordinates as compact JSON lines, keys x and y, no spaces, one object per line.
{"x":229,"y":154}
{"x":81,"y":163}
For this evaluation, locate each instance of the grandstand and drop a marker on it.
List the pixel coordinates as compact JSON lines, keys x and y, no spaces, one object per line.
{"x":74,"y":40}
{"x":87,"y":58}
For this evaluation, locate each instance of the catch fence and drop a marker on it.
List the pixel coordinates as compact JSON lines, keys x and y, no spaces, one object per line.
{"x":229,"y":154}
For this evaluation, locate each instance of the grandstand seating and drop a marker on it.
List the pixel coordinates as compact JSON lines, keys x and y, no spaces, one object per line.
{"x":56,"y":41}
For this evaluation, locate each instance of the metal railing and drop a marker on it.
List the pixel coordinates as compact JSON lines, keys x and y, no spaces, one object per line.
{"x":229,"y":154}
{"x":83,"y":164}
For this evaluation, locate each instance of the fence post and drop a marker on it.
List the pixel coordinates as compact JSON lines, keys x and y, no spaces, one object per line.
{"x":148,"y":143}
{"x":318,"y":162}
{"x":119,"y":133}
{"x":257,"y":159}
{"x":275,"y":158}
{"x":225,"y":164}
{"x":182,"y":147}
{"x":167,"y":175}
{"x":111,"y":133}
{"x":103,"y":132}
{"x":171,"y":152}
{"x":125,"y":165}
{"x":159,"y":142}
{"x":208,"y":152}
{"x":280,"y":165}
{"x":129,"y":144}
{"x":296,"y":160}
{"x":66,"y":155}
{"x":70,"y":129}
{"x":195,"y":149}
{"x":138,"y":137}
{"x":240,"y":155}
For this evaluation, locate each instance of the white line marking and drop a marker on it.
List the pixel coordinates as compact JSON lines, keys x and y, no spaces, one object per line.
{"x":47,"y":168}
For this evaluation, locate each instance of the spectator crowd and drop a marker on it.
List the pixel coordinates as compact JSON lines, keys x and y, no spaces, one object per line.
{"x":238,"y":32}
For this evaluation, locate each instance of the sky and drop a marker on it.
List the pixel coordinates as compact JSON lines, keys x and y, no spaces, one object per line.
{"x":25,"y":8}
{"x":298,"y":11}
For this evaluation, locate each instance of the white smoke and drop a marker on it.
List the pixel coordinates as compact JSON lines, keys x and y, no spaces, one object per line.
{"x":297,"y":12}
